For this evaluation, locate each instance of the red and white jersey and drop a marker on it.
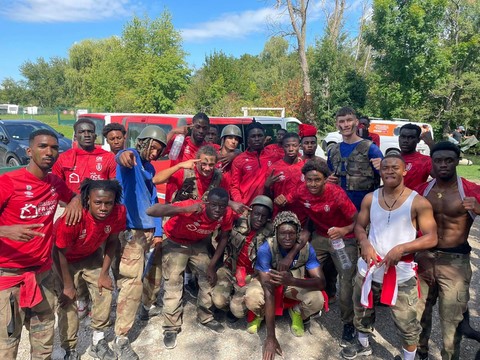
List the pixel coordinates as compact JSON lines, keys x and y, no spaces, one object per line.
{"x":26,"y":199}
{"x":76,"y":165}
{"x":193,"y":227}
{"x":188,"y":151}
{"x":275,"y":152}
{"x":84,"y":238}
{"x":332,"y":208}
{"x":418,"y":167}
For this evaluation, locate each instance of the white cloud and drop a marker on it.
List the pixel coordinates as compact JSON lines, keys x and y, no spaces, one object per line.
{"x":66,"y":10}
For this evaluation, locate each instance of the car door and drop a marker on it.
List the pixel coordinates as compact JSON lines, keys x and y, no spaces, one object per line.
{"x":3,"y":146}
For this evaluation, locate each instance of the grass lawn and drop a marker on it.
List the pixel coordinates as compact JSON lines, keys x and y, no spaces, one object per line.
{"x":51,"y":120}
{"x":470,"y":172}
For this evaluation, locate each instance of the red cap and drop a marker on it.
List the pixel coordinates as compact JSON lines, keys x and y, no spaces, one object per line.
{"x":306,"y":130}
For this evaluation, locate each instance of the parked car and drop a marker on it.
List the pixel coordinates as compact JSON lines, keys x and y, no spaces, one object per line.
{"x":14,"y":140}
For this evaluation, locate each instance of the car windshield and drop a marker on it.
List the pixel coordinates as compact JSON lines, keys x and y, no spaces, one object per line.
{"x":23,"y":131}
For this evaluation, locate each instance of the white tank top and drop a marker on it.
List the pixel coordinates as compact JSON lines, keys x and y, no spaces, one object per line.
{"x":386,"y":234}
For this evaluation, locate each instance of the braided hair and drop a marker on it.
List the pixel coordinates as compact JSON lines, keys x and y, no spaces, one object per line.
{"x":105,"y":185}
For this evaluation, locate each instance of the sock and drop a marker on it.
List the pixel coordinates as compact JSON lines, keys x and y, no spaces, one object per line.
{"x":409,"y":355}
{"x":363,"y":339}
{"x":97,"y":336}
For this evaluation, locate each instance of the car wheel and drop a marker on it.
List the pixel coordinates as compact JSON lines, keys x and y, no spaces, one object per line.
{"x":13,"y":161}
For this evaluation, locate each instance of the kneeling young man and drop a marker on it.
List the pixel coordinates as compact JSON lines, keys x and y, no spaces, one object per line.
{"x":303,"y":282}
{"x":386,"y":271}
{"x":82,"y":258}
{"x":188,"y":233}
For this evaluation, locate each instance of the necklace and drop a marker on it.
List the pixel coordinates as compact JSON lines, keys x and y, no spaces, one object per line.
{"x":390,"y":207}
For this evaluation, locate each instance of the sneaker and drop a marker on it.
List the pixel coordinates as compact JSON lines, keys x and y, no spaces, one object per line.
{"x":254,"y":325}
{"x":348,"y":336}
{"x":357,"y":349}
{"x":297,"y":327}
{"x":71,"y":354}
{"x":145,"y":315}
{"x":231,"y":318}
{"x":192,"y":288}
{"x":102,"y":351}
{"x":214,"y":326}
{"x":170,"y":339}
{"x":123,"y":349}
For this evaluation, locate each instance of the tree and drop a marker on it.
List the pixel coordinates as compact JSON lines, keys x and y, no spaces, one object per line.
{"x":14,"y":92}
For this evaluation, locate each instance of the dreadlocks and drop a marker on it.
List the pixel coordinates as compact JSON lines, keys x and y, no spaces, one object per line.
{"x":105,"y":185}
{"x":143,"y":146}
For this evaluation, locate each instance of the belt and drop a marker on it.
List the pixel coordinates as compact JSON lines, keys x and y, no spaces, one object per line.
{"x":445,"y":254}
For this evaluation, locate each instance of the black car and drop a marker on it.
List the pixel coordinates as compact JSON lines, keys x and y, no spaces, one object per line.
{"x":14,"y":140}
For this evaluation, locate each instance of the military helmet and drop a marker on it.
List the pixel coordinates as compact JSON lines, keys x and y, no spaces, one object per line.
{"x":263,"y":200}
{"x":153,"y":132}
{"x":231,"y":130}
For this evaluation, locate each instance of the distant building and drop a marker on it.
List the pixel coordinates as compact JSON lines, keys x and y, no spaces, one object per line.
{"x":9,"y":109}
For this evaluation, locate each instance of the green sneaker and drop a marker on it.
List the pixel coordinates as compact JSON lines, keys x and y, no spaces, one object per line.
{"x":297,"y":327}
{"x":254,"y":325}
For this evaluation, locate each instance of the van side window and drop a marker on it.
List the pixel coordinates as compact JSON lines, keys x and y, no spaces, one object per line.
{"x":271,"y":130}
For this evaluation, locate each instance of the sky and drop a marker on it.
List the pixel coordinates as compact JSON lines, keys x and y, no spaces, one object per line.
{"x":30,"y":29}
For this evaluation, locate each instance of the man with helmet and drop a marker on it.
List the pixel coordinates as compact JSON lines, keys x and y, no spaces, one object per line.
{"x":248,"y":233}
{"x":230,"y":138}
{"x":135,"y":173}
{"x":303,"y":281}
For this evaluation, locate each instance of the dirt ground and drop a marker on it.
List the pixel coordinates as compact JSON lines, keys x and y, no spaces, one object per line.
{"x":196,"y":342}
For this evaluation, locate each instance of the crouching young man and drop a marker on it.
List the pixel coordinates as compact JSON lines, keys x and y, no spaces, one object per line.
{"x":81,"y":258}
{"x":304,"y":281}
{"x":188,"y":233}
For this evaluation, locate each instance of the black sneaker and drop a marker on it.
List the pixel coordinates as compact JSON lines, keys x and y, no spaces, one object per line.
{"x":192,"y":288}
{"x":123,"y":349}
{"x":71,"y":354}
{"x":422,"y":356}
{"x":102,"y":351}
{"x":348,"y":336}
{"x":145,"y":315}
{"x":357,"y":349}
{"x":214,"y":326}
{"x":170,"y":339}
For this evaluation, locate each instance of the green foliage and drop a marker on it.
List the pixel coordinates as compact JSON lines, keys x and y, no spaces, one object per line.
{"x":14,"y":92}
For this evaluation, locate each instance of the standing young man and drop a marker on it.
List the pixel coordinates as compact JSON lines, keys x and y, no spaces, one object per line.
{"x":418,"y":166}
{"x":28,"y":199}
{"x":308,"y":141}
{"x":85,"y":251}
{"x":354,"y":162}
{"x":86,"y":161}
{"x":276,"y":150}
{"x":135,"y":173}
{"x":386,"y":270}
{"x":445,"y":270}
{"x":231,"y":137}
{"x":249,"y":169}
{"x":332,"y":216}
{"x":115,"y":135}
{"x":188,"y":232}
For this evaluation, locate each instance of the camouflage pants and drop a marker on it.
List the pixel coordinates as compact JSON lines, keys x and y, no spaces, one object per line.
{"x":128,"y":272}
{"x":325,"y":252}
{"x":311,"y":301}
{"x":38,"y":320}
{"x":88,"y":272}
{"x":404,"y":312}
{"x":227,"y":294}
{"x":153,"y":278}
{"x":175,"y":259}
{"x":446,"y":277}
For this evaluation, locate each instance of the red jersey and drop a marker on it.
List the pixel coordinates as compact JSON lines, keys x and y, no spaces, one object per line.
{"x":176,"y":181}
{"x":187,"y":152}
{"x":76,"y":165}
{"x":418,"y":167}
{"x":248,"y":175}
{"x":26,"y":199}
{"x":275,"y":152}
{"x":194,"y":227}
{"x":243,"y":258}
{"x":84,"y":238}
{"x":291,"y":179}
{"x":332,"y":208}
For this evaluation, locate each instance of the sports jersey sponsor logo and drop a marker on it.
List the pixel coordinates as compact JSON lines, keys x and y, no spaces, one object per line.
{"x":28,"y":194}
{"x":408,"y":167}
{"x":99,"y":159}
{"x":307,"y":204}
{"x":107,"y":229}
{"x":269,"y":163}
{"x":95,"y":176}
{"x":248,"y":167}
{"x":98,"y":166}
{"x":282,"y":176}
{"x":83,"y":234}
{"x":187,"y":149}
{"x":73,"y":178}
{"x":44,"y":208}
{"x":326,"y":208}
{"x":28,"y":187}
{"x":29,"y":211}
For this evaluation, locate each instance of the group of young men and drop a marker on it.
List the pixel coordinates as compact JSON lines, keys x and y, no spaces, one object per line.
{"x":261,"y":231}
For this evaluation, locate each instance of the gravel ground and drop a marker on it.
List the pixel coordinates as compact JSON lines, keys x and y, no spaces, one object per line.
{"x":199,"y":343}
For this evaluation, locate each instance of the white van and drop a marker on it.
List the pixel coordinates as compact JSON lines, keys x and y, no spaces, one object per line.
{"x":388,"y":130}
